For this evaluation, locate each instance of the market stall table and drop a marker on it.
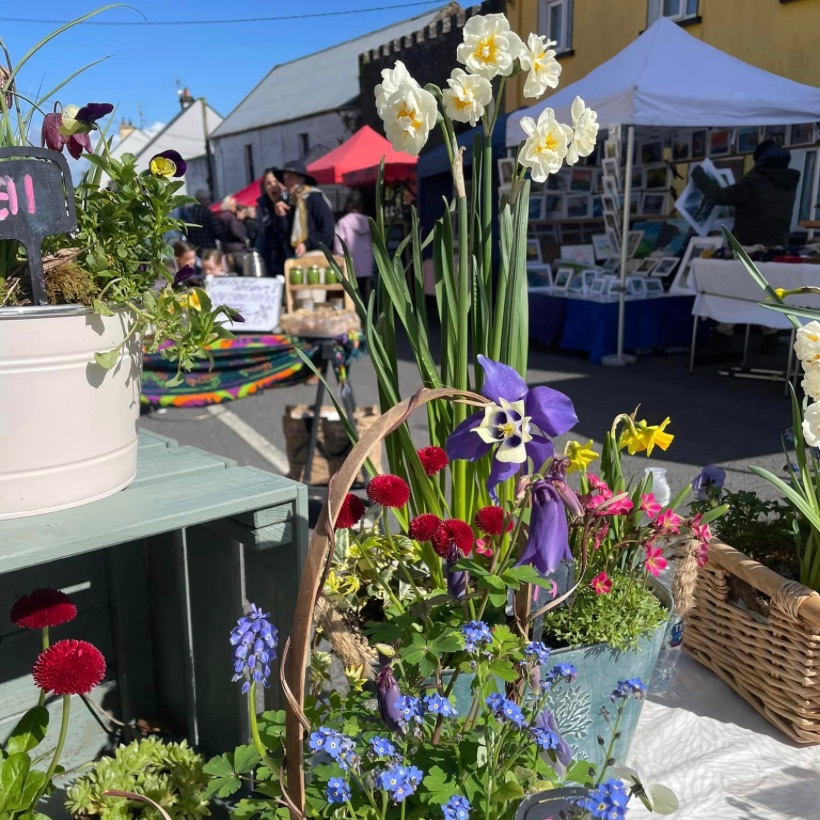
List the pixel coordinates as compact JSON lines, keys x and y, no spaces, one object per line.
{"x":592,"y":327}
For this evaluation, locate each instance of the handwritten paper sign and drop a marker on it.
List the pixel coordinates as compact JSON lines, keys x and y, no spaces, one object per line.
{"x":258,"y":300}
{"x":36,"y":201}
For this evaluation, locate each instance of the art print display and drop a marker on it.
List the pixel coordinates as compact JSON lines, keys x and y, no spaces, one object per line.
{"x":700,"y":143}
{"x":697,"y":209}
{"x":801,"y":134}
{"x":602,"y":245}
{"x":537,"y":208}
{"x":656,"y":177}
{"x":558,"y":182}
{"x":651,"y":152}
{"x":577,"y":206}
{"x":666,"y":237}
{"x":654,"y":287}
{"x":582,"y":254}
{"x":720,"y":142}
{"x":554,"y":206}
{"x":582,"y":180}
{"x":653,"y":204}
{"x":683,"y":282}
{"x":506,"y":168}
{"x":533,"y":250}
{"x":748,"y":139}
{"x":682,"y":147}
{"x":778,"y":133}
{"x":665,"y":266}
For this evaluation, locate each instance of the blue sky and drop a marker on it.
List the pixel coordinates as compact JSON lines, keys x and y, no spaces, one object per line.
{"x":221,"y":62}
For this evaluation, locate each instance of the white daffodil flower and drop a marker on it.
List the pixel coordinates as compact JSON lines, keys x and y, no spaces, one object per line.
{"x":584,"y":131}
{"x":811,"y":382}
{"x":538,"y":58}
{"x":392,"y":78}
{"x":811,"y":425}
{"x":489,"y":47}
{"x":409,"y":114}
{"x":546,"y":146}
{"x":466,"y":98}
{"x":657,"y":798}
{"x":807,"y":344}
{"x":506,"y":425}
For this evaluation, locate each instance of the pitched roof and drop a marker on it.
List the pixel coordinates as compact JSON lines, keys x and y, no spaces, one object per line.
{"x":323,"y":81}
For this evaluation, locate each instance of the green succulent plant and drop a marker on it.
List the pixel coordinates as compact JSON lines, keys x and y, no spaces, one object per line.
{"x":169,"y":773}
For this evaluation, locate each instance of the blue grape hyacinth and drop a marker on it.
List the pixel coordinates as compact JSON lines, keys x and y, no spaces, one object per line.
{"x":254,"y":639}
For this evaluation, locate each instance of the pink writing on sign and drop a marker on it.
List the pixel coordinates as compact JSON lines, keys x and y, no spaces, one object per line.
{"x":8,"y":194}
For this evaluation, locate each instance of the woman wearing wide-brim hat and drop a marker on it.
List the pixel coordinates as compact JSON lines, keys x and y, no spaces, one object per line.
{"x":310,"y":218}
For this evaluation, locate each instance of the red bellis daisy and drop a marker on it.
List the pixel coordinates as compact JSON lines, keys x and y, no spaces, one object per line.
{"x":433,"y":459}
{"x":69,"y":668}
{"x":423,"y":526}
{"x":388,"y":491}
{"x":351,"y":512}
{"x":43,"y":608}
{"x":453,"y":532}
{"x":490,"y":520}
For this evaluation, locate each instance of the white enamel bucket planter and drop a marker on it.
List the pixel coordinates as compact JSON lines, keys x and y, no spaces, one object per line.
{"x":68,"y":427}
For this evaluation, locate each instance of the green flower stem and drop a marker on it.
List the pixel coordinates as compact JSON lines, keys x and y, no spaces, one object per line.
{"x":386,"y":587}
{"x":257,"y":740}
{"x":57,"y":752}
{"x":41,"y":700}
{"x":490,"y":773}
{"x":611,"y":747}
{"x":384,"y":805}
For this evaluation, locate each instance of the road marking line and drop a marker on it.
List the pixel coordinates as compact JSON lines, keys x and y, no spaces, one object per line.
{"x":250,"y":436}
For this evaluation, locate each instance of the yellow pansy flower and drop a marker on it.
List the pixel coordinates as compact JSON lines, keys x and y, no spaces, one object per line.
{"x":645,"y":437}
{"x":162,"y":167}
{"x":580,"y":455}
{"x":193,"y":300}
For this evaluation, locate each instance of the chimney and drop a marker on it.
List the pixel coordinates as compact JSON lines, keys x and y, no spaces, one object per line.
{"x":125,"y":128}
{"x":185,"y":98}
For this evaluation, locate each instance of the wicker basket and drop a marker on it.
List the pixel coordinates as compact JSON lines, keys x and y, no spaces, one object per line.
{"x":772,"y":661}
{"x":317,"y":565}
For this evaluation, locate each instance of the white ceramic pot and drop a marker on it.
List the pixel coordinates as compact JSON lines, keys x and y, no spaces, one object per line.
{"x":68,"y":427}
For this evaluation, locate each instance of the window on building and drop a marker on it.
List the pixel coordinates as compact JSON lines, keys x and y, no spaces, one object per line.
{"x":249,"y":170}
{"x":673,"y":9}
{"x":304,"y":144}
{"x":555,"y":22}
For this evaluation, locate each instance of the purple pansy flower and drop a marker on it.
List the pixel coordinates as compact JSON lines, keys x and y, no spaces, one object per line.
{"x":709,"y":479}
{"x":91,"y":112}
{"x":548,"y":542}
{"x":517,"y":425}
{"x":163,"y":168}
{"x":182,"y":275}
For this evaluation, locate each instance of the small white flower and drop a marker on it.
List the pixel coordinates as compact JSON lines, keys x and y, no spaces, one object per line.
{"x":538,"y":58}
{"x":546,"y":145}
{"x":468,"y":94}
{"x":392,"y":78}
{"x":811,"y":425}
{"x":584,"y":131}
{"x":807,"y":344}
{"x":409,"y":114}
{"x":811,"y":382}
{"x":506,"y":425}
{"x":489,"y":47}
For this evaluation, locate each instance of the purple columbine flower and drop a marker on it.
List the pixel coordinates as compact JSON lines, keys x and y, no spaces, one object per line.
{"x":708,"y":480}
{"x":517,"y":425}
{"x":182,"y":275}
{"x":547,"y":735}
{"x":387,"y":695}
{"x":254,"y":640}
{"x":548,"y":542}
{"x":457,"y":579}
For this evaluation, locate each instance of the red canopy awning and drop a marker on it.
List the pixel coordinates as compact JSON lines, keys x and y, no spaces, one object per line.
{"x":359,"y":158}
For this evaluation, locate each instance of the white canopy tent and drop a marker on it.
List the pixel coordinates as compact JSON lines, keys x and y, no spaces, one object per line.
{"x":668,"y":79}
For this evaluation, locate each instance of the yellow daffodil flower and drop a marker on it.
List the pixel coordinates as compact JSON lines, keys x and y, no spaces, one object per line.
{"x":645,"y":437}
{"x":580,"y":455}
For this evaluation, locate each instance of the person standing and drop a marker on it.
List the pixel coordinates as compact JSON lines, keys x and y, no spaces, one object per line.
{"x":202,"y":230}
{"x":353,"y":233}
{"x":310,"y":219}
{"x":247,"y":216}
{"x":272,"y":239}
{"x":233,"y":235}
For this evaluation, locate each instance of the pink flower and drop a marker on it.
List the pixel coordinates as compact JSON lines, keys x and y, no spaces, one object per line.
{"x":702,"y":554}
{"x":655,"y":562}
{"x":649,"y":505}
{"x":601,"y":583}
{"x":596,"y":483}
{"x":600,"y":534}
{"x":668,"y":522}
{"x":617,"y":505}
{"x":481,"y":548}
{"x":699,"y":530}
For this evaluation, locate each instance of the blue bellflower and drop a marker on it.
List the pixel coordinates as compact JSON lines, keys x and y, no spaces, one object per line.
{"x":517,"y":425}
{"x":254,"y":640}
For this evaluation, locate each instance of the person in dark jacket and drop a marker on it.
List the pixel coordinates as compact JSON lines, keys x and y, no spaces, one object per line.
{"x":763,"y":199}
{"x":202,"y":229}
{"x":310,"y":219}
{"x":247,"y":216}
{"x":272,"y":239}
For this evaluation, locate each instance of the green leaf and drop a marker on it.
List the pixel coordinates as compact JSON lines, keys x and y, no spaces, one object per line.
{"x":13,"y":774}
{"x":508,"y":791}
{"x":244,"y":759}
{"x":221,"y":766}
{"x":223,"y":787}
{"x":29,"y":732}
{"x":108,"y":359}
{"x":34,"y":782}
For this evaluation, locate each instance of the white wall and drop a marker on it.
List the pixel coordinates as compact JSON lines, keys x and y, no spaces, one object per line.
{"x":272,"y":147}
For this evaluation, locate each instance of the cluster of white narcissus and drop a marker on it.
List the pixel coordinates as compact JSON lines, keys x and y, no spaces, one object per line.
{"x":807,"y":348}
{"x":489,"y":50}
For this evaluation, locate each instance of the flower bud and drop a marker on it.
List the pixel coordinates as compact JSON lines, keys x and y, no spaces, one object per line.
{"x":51,"y":136}
{"x":387,"y":694}
{"x":456,"y":579}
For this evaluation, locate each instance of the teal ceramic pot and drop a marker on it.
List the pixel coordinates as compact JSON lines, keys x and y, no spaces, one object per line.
{"x":552,"y":805}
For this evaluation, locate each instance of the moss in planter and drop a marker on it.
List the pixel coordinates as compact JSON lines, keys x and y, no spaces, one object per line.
{"x":70,"y":284}
{"x":169,"y":773}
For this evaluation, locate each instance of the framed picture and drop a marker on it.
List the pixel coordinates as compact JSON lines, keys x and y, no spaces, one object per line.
{"x":636,"y":287}
{"x":506,"y":169}
{"x":651,"y":152}
{"x":665,"y":265}
{"x":683,"y":282}
{"x":533,"y":250}
{"x":537,"y":208}
{"x":582,"y":254}
{"x":578,"y":206}
{"x":554,"y":206}
{"x":561,"y":277}
{"x":602,"y":246}
{"x":801,"y":134}
{"x":654,"y":287}
{"x":597,"y":286}
{"x":694,"y":207}
{"x":558,"y":182}
{"x":597,"y":210}
{"x":637,"y":177}
{"x":612,"y":222}
{"x":597,"y":185}
{"x":653,"y":204}
{"x":805,"y":206}
{"x":611,"y":203}
{"x":720,"y":142}
{"x":635,"y":203}
{"x":682,"y":147}
{"x":647,"y":266}
{"x":656,"y":178}
{"x":614,"y":133}
{"x":577,"y":283}
{"x":614,"y":241}
{"x":633,"y":242}
{"x":539,"y":275}
{"x":581,"y":180}
{"x":537,"y":187}
{"x":612,"y":286}
{"x":633,"y":265}
{"x":612,"y":150}
{"x":612,"y":265}
{"x":609,"y":186}
{"x":778,"y":133}
{"x":748,"y":139}
{"x":699,"y":143}
{"x":612,"y":168}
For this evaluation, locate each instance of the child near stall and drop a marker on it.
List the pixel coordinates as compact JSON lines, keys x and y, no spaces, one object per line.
{"x":217,"y":263}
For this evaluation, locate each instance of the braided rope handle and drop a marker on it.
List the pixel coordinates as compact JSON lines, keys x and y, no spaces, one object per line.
{"x":317,"y":565}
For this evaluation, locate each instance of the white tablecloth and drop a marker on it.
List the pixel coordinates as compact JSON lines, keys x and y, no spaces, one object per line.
{"x":727,"y":293}
{"x":721,"y":758}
